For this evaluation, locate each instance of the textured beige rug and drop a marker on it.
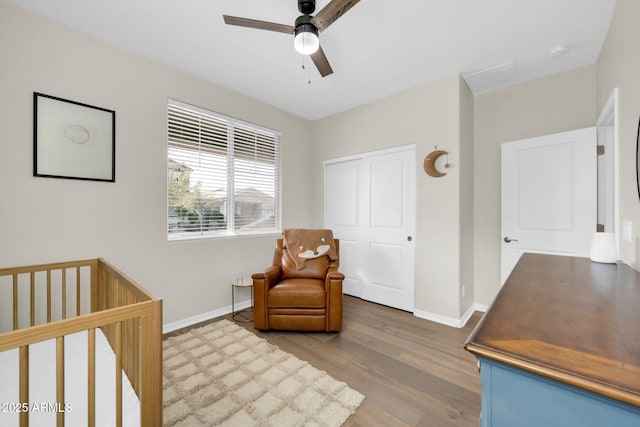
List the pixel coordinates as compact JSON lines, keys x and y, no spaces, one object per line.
{"x":222,"y":374}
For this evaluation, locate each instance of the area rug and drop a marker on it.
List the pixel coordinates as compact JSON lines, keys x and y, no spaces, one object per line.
{"x":222,"y":374}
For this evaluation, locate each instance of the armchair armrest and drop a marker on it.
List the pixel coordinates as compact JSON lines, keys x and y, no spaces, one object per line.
{"x":261,"y":284}
{"x":335,"y":275}
{"x":333,"y":286}
{"x":270,"y":276}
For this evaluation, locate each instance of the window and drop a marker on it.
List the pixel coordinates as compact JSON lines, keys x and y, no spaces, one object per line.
{"x":222,"y":175}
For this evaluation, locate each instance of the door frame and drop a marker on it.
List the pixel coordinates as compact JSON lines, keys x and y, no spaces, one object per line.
{"x":363,"y":156}
{"x":366,"y":155}
{"x":608,"y":189}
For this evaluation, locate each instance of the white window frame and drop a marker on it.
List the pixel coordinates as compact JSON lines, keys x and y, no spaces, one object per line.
{"x":230,"y":206}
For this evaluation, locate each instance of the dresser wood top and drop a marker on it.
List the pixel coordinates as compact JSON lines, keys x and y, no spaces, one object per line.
{"x":568,"y":319}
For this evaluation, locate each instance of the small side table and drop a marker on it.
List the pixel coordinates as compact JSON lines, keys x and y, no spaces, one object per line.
{"x":241,"y":282}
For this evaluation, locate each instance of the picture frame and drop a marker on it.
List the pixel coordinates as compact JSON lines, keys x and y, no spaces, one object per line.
{"x":73,"y":140}
{"x":638,"y":159}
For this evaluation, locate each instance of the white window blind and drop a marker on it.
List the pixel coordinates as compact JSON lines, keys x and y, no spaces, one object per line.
{"x":222,"y":175}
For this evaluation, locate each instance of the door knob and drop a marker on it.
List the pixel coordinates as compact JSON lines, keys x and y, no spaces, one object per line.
{"x":409,"y":238}
{"x":509,"y":240}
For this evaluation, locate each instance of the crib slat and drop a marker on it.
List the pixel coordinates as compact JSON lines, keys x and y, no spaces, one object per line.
{"x":64,"y":293}
{"x":24,"y":384}
{"x":15,"y":302}
{"x":118,"y":354}
{"x":33,"y":297}
{"x":91,"y":393}
{"x":48,"y":296}
{"x":78,"y":291}
{"x":60,"y":379}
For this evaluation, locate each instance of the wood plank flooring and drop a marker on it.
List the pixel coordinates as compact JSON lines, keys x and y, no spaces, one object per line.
{"x":413,"y":372}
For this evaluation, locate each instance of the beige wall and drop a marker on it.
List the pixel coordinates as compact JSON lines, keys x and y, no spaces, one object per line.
{"x":557,"y":103}
{"x":425,"y":116}
{"x":44,"y":219}
{"x":619,"y":66}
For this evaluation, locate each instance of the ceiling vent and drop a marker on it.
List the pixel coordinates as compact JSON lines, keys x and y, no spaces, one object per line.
{"x":491,"y":78}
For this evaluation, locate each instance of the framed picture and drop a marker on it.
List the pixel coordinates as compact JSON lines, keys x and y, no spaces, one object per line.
{"x":73,"y":140}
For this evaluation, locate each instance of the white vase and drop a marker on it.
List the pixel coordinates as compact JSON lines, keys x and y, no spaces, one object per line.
{"x":603,"y":248}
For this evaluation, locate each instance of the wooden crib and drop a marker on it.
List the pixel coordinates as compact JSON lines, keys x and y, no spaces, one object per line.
{"x":44,"y":305}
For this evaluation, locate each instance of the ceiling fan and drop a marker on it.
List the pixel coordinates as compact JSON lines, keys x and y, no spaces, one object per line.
{"x":306,"y":28}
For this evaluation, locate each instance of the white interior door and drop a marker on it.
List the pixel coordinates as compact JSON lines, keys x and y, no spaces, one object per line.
{"x":549,"y":196}
{"x":370,"y":206}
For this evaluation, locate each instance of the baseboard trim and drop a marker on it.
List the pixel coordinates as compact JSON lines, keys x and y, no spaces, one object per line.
{"x":467,"y":315}
{"x":203,"y":317}
{"x":450,"y":321}
{"x":481,"y":307}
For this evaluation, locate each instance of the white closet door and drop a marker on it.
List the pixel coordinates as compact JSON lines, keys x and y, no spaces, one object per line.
{"x":370,"y":206}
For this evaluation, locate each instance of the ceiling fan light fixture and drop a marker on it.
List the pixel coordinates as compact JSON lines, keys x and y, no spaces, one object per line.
{"x":306,"y":39}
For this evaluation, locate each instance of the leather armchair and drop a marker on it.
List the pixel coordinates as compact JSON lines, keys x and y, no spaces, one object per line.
{"x":310,"y":299}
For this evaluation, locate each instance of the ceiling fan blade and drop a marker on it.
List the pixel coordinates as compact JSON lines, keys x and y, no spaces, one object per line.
{"x":331,"y":12}
{"x":321,"y":62}
{"x":260,"y":25}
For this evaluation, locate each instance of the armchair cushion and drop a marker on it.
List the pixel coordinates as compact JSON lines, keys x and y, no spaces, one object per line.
{"x":297,"y":293}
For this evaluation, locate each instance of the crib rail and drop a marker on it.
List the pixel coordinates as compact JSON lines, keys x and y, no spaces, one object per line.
{"x":67,"y":276}
{"x":129,"y":316}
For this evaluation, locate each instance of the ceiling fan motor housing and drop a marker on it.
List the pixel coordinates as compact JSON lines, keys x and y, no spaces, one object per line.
{"x":303,"y":23}
{"x":307,"y":7}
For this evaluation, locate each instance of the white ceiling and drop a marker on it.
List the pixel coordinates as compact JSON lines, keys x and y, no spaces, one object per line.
{"x":378,"y":48}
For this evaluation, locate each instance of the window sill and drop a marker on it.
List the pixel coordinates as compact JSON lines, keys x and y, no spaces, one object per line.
{"x":187,"y":237}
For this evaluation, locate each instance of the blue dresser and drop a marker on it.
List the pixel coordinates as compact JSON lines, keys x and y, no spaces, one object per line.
{"x":560,"y":346}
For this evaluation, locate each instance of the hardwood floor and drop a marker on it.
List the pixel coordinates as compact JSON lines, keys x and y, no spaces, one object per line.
{"x":413,"y":372}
